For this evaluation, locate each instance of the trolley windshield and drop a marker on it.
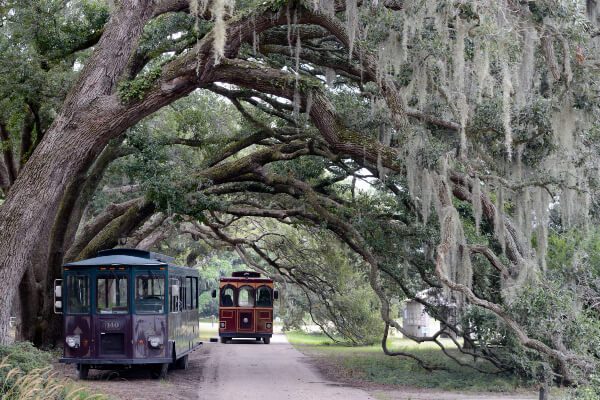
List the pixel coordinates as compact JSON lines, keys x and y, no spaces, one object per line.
{"x":112,"y":292}
{"x":78,"y":294}
{"x":149,"y":293}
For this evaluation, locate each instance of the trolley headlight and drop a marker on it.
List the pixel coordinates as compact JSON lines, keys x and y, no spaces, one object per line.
{"x":154,"y":341}
{"x":73,"y":341}
{"x":223,"y":325}
{"x":269,"y":325}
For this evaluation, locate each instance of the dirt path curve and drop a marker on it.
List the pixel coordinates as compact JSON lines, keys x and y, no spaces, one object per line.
{"x":251,"y":370}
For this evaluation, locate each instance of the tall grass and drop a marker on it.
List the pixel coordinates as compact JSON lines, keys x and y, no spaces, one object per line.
{"x":25,"y":374}
{"x":40,"y":384}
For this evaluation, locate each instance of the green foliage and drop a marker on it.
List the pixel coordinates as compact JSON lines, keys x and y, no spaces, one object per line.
{"x":24,"y":356}
{"x":217,"y":265}
{"x":563,"y":306}
{"x":137,"y":88}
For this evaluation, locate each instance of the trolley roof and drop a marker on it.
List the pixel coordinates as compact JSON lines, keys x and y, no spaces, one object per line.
{"x":246,"y":276}
{"x":130,"y":257}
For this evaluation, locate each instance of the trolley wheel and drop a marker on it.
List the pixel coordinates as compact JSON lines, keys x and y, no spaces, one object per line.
{"x":182,"y":363}
{"x":81,"y":371}
{"x":224,"y":340}
{"x":159,"y":371}
{"x":267,"y":340}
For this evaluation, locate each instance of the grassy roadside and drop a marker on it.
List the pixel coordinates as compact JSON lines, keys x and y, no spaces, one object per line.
{"x":368,"y":364}
{"x":26,"y":373}
{"x":208,"y":330}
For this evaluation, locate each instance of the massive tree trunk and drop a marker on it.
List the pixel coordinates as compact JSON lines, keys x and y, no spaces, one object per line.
{"x":72,"y":141}
{"x":36,"y":321}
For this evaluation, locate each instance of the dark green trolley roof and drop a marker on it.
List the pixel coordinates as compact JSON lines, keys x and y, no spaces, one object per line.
{"x":129,"y":257}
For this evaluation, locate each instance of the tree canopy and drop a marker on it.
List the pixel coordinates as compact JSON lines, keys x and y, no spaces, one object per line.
{"x":372,"y":150}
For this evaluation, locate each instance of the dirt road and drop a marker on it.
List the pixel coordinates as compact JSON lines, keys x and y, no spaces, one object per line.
{"x":251,"y":370}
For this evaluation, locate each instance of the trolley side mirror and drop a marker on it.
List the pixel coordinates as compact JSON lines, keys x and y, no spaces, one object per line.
{"x":276,"y":294}
{"x":214,"y":293}
{"x":58,"y":304}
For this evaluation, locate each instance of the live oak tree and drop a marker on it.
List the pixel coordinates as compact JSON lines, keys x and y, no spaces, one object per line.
{"x":482,"y":114}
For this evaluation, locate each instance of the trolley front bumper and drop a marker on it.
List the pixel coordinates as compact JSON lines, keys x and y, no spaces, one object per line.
{"x":245,"y":335}
{"x":120,"y":361}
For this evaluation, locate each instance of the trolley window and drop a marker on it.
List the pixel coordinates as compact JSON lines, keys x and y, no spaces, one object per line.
{"x":111,"y":294}
{"x":78,"y":294}
{"x":195,"y":281}
{"x":188,"y":293}
{"x":263,"y":297}
{"x":174,"y":303}
{"x":149,"y":293}
{"x":246,"y":296}
{"x":227,"y":296}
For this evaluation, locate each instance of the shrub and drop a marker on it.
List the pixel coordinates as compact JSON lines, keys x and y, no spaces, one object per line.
{"x":25,"y":373}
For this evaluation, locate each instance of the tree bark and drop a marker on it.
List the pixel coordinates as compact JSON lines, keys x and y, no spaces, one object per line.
{"x":39,"y":324}
{"x":154,"y":237}
{"x":150,"y":226}
{"x":121,"y":226}
{"x":74,"y":138}
{"x":90,"y":231}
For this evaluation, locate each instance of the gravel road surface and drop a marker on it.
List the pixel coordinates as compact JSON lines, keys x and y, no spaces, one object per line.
{"x":251,"y":370}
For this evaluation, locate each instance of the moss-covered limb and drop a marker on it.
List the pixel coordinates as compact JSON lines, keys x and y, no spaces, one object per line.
{"x":7,"y":152}
{"x":518,"y":250}
{"x":123,"y":225}
{"x":150,"y":226}
{"x":322,"y":112}
{"x":159,"y":233}
{"x":246,"y":95}
{"x":566,"y":360}
{"x":229,"y":171}
{"x":26,"y":146}
{"x":283,"y":36}
{"x":321,"y":58}
{"x":4,"y":183}
{"x":235,"y":147}
{"x":91,"y":230}
{"x":368,"y":62}
{"x":137,"y":88}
